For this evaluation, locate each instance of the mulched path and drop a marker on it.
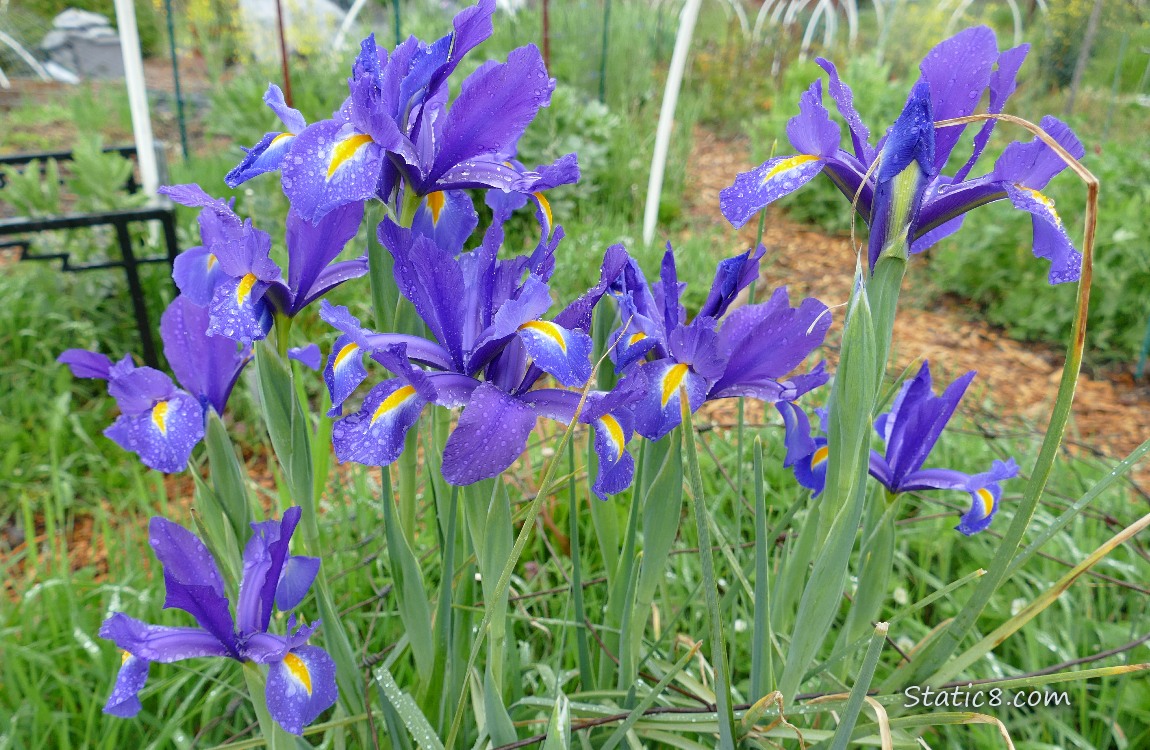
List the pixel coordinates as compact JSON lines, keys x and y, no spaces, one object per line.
{"x":1016,"y":382}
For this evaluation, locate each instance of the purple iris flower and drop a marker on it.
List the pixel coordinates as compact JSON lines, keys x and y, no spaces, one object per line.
{"x":233,"y":275}
{"x":719,"y":353}
{"x":910,"y":430}
{"x":395,"y":130}
{"x":158,"y":421}
{"x":489,"y":346}
{"x":954,"y":77}
{"x":300,"y":679}
{"x":269,"y":153}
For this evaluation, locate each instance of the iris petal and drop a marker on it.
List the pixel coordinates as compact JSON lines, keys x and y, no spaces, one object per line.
{"x":301,"y":687}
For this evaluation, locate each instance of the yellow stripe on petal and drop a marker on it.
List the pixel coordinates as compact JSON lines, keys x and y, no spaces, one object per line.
{"x":346,"y":149}
{"x":787,"y":165}
{"x":987,"y":498}
{"x":280,"y":137}
{"x":435,"y":203}
{"x":393,"y":402}
{"x":160,"y":416}
{"x":546,"y":206}
{"x":672,"y":380}
{"x":820,"y":456}
{"x":635,"y":338}
{"x":124,"y":656}
{"x":616,"y":434}
{"x":1046,"y":202}
{"x":344,"y":353}
{"x":212,"y":260}
{"x":548,"y":329}
{"x":244,"y":290}
{"x":297,"y":669}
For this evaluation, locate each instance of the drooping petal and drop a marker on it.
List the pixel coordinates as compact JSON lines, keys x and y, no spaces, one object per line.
{"x":239,"y":310}
{"x":815,"y":136}
{"x":374,"y":436}
{"x":301,"y":687}
{"x":160,"y":642}
{"x":492,"y":432}
{"x":754,"y":190}
{"x":659,"y":410}
{"x":561,"y":353}
{"x":797,"y":433}
{"x":130,"y":680}
{"x":137,"y":389}
{"x":164,"y":436}
{"x":267,"y":155}
{"x":985,"y":496}
{"x":697,"y":344}
{"x":511,"y":315}
{"x":331,"y":164}
{"x":1051,"y":241}
{"x":197,"y":272}
{"x":616,"y":465}
{"x":448,"y":218}
{"x":86,"y":364}
{"x":192,"y":580}
{"x":344,"y":371}
{"x":811,"y":471}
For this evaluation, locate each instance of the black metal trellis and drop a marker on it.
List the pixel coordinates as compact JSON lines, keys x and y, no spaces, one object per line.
{"x":119,"y":220}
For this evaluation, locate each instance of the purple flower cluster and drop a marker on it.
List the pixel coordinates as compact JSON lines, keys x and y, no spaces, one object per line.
{"x":955,"y":76}
{"x":300,"y":679}
{"x":488,"y":344}
{"x":910,"y":431}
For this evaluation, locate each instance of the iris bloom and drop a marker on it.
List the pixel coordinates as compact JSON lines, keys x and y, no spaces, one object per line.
{"x":233,"y":275}
{"x":300,"y":678}
{"x":395,"y":131}
{"x":158,"y":421}
{"x":910,"y":430}
{"x":489,"y":346}
{"x":718,"y":354}
{"x":930,"y":205}
{"x":269,"y":153}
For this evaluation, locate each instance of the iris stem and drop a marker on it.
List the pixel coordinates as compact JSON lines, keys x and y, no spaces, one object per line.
{"x":283,"y":333}
{"x":724,"y":711}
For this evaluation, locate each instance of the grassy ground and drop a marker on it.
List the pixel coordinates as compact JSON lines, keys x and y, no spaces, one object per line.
{"x":78,"y":503}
